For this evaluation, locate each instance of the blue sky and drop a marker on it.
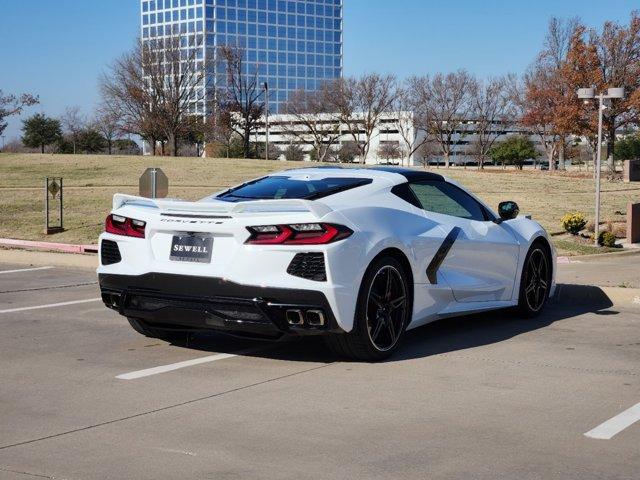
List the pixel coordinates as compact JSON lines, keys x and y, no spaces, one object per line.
{"x":58,"y":48}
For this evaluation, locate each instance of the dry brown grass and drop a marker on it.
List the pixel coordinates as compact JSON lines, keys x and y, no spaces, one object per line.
{"x":91,"y":180}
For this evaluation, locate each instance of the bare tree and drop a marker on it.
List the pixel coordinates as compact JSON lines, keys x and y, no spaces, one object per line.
{"x":492,"y":113}
{"x":126,"y":94}
{"x":175,"y":71}
{"x":427,"y":151}
{"x":108,"y":124}
{"x":390,"y":150}
{"x":557,"y":41}
{"x":155,"y":88}
{"x":346,"y":153}
{"x":312,"y":121}
{"x":219,"y":129}
{"x":446,"y":101}
{"x":13,"y":105}
{"x":240,"y":94}
{"x":360,"y":103}
{"x":411,"y":121}
{"x":73,"y":123}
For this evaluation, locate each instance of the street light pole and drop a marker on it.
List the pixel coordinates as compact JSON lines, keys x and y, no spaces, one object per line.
{"x":266,"y":121}
{"x":596,"y":230}
{"x":589,"y":94}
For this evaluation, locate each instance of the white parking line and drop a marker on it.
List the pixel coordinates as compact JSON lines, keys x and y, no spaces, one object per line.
{"x":187,"y":363}
{"x":50,"y":305}
{"x":615,"y":425}
{"x":24,"y":270}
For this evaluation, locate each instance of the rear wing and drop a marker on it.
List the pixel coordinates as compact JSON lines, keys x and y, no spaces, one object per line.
{"x":217,"y":207}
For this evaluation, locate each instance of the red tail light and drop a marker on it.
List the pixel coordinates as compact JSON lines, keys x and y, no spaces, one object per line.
{"x":129,"y":227}
{"x":297,"y":234}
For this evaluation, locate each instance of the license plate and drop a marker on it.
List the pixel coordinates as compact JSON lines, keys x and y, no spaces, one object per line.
{"x":191,"y":248}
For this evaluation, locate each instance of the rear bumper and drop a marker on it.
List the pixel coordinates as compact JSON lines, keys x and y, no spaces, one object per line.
{"x":205,"y":303}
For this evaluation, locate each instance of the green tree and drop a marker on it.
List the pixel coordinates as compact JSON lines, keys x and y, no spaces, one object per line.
{"x":513,"y":151}
{"x":627,"y":148}
{"x":90,"y":140}
{"x":40,"y":131}
{"x":126,"y":146}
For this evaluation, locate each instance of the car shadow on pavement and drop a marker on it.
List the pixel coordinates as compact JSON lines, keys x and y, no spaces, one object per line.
{"x":306,"y":349}
{"x":446,"y":335}
{"x":459,"y":333}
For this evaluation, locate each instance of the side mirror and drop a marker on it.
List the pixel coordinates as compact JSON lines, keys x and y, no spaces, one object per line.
{"x":508,"y":210}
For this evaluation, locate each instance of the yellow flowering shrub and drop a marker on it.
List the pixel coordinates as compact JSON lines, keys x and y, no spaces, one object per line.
{"x":573,"y":222}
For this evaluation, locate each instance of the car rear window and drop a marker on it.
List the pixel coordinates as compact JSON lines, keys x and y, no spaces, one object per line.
{"x":278,"y":187}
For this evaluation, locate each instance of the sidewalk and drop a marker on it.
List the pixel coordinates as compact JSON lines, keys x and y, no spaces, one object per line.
{"x":607,"y":270}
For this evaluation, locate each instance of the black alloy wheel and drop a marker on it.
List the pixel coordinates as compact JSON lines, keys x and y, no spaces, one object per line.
{"x":386,"y":308}
{"x":383,"y":311}
{"x":536,"y":281}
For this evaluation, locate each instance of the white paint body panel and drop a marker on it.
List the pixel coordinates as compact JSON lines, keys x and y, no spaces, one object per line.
{"x":481,"y":272}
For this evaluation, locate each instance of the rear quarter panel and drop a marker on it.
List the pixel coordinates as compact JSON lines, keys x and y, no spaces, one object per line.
{"x":388,"y":222}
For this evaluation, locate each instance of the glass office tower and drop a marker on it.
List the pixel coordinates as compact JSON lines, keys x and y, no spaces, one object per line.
{"x":293,"y":44}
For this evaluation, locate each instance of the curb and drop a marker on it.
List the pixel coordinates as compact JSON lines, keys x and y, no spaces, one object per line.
{"x":48,"y":246}
{"x":624,"y":253}
{"x":16,"y":256}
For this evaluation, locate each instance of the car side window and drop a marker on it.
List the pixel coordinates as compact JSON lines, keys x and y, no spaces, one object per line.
{"x":447,"y":199}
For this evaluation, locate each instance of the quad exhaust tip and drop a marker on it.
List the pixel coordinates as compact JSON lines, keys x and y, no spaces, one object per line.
{"x":295,"y":317}
{"x":315,"y":318}
{"x":310,"y":318}
{"x":112,"y":300}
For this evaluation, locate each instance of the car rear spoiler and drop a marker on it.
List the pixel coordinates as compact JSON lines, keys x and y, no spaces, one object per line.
{"x":217,"y":207}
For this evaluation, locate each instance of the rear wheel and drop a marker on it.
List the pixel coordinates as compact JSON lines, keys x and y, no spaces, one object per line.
{"x":382,"y":313}
{"x":535,"y":282}
{"x":143,"y":328}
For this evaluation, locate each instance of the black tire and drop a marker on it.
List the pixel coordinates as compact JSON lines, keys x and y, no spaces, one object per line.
{"x":535,"y":281}
{"x":143,"y":328}
{"x":380,"y":321}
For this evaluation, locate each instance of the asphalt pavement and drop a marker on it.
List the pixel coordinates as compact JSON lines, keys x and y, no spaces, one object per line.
{"x":83,"y":396}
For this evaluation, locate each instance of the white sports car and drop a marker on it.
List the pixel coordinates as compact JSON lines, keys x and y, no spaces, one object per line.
{"x":356,"y":255}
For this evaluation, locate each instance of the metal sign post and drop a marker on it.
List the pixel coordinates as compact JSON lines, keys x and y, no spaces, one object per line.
{"x":153,"y":183}
{"x":53,"y":191}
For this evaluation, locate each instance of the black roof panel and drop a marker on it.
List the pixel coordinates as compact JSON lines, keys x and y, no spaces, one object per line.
{"x":410,"y":174}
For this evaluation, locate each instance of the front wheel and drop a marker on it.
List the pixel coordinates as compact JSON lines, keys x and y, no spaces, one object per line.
{"x":382,"y":313}
{"x":535,"y":281}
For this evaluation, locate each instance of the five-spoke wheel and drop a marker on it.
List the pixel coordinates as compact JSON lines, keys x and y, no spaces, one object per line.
{"x":383,"y":311}
{"x":535,"y":281}
{"x":386,"y":308}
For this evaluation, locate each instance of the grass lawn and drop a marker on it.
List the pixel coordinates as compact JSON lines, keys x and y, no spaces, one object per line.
{"x":91,"y":180}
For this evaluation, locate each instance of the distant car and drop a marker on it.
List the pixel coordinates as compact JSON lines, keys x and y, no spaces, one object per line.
{"x":356,"y":255}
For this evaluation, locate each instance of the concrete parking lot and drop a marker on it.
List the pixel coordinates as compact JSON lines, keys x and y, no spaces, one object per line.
{"x":83,"y":396}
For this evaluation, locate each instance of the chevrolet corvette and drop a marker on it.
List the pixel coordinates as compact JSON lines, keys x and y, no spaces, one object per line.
{"x":357,"y":255}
